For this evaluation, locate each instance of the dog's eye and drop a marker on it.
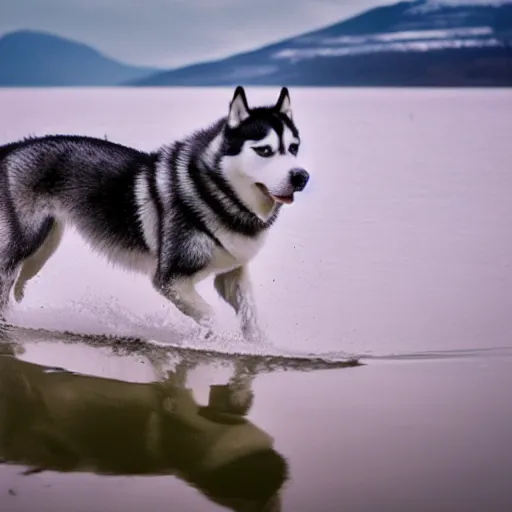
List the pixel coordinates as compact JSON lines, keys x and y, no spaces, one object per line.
{"x":264,"y":151}
{"x":293,"y":148}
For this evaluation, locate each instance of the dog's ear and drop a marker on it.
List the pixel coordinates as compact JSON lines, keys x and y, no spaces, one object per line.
{"x":283,"y":104}
{"x":238,"y":108}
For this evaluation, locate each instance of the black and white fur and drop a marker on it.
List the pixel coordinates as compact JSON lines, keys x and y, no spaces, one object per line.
{"x":201,"y":206}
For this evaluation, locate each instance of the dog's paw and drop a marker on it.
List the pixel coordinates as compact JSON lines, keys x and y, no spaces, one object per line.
{"x":19,"y":290}
{"x":206,"y":333}
{"x":252,"y":333}
{"x":206,"y":329}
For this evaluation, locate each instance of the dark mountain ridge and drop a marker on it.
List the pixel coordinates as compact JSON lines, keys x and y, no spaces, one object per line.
{"x":420,"y":43}
{"x":29,"y":58}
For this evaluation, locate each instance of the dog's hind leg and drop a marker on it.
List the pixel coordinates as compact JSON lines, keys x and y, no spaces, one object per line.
{"x":34,"y":263}
{"x":7,"y":277}
{"x":9,"y":253}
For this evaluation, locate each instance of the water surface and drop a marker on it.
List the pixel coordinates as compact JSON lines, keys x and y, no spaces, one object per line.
{"x":398,"y":253}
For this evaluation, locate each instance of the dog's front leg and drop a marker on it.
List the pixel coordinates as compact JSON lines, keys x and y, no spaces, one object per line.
{"x":183,"y":294}
{"x":236,"y":289}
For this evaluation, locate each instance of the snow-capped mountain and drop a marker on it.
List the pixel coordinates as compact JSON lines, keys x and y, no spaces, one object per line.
{"x":422,"y":42}
{"x":409,"y":27}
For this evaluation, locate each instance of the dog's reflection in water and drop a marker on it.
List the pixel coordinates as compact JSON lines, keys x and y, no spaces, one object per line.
{"x":57,"y":420}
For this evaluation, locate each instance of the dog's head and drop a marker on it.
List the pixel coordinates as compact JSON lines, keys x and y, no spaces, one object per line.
{"x":262,"y":146}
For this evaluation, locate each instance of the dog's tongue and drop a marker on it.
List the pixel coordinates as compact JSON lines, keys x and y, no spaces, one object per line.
{"x":283,"y":199}
{"x":277,"y":199}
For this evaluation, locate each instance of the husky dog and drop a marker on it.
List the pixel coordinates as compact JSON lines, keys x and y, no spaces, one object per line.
{"x":200,"y":206}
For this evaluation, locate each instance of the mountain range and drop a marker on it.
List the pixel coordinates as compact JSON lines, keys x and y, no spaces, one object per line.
{"x":29,"y":58}
{"x":410,"y":43}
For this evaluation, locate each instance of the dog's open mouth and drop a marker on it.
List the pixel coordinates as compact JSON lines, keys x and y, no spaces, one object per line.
{"x":277,"y":199}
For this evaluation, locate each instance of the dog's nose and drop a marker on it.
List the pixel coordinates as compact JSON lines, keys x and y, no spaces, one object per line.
{"x":299,"y":179}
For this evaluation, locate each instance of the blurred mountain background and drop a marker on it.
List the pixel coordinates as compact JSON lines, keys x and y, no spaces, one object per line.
{"x":411,"y":43}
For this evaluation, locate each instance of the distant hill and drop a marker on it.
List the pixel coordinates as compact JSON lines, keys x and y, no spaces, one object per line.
{"x":418,"y":43}
{"x":37,"y":59}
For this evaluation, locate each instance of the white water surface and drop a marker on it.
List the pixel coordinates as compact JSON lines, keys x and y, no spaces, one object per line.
{"x":400,"y":244}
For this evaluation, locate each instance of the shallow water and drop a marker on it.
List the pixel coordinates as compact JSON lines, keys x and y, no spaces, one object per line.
{"x":109,"y":433}
{"x":399,"y":253}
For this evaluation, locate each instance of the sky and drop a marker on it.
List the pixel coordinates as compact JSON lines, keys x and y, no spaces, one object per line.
{"x":170,"y":33}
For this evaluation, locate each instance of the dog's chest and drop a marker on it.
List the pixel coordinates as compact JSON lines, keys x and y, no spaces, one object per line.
{"x":236,"y":251}
{"x":241,"y":249}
